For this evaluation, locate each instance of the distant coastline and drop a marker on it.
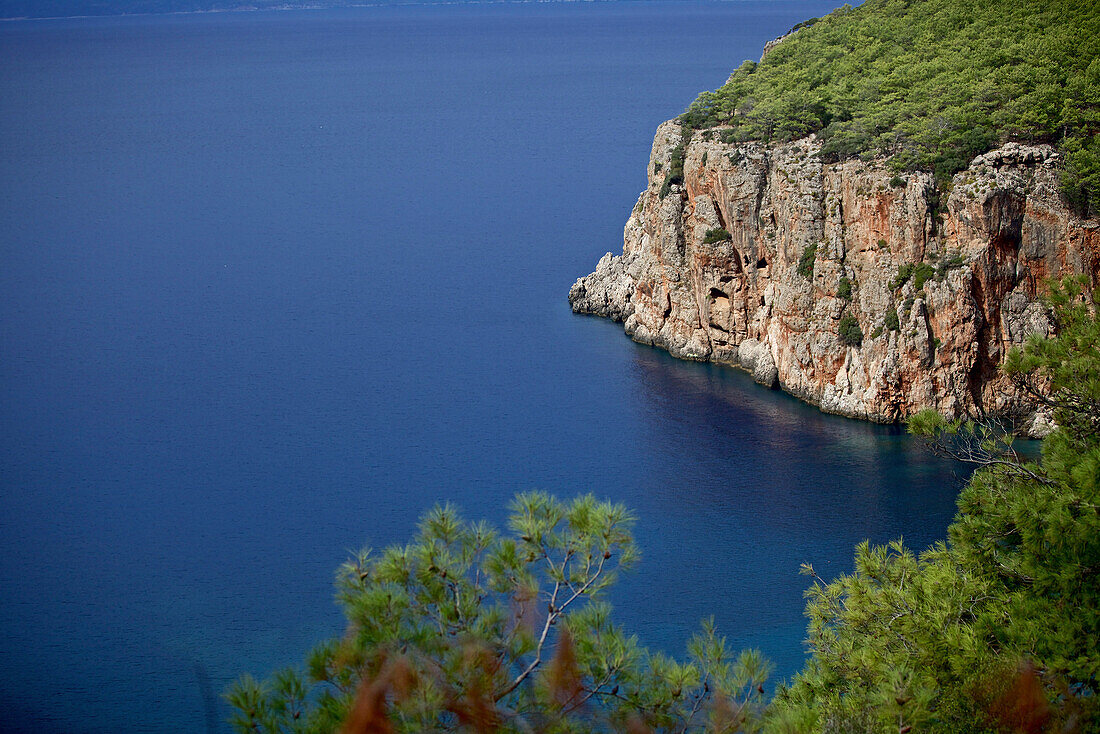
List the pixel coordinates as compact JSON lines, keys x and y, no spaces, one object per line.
{"x":23,"y":10}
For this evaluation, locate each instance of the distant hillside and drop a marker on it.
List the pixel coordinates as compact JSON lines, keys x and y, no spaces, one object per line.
{"x":76,"y":8}
{"x":930,"y":84}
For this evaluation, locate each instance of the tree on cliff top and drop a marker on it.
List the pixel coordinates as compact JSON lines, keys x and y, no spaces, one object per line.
{"x":929,"y":83}
{"x":466,"y":629}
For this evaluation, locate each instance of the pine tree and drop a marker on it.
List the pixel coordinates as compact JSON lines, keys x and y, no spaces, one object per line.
{"x":999,"y":628}
{"x":466,"y":629}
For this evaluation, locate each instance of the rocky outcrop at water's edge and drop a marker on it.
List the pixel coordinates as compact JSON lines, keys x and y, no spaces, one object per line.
{"x":941,"y":287}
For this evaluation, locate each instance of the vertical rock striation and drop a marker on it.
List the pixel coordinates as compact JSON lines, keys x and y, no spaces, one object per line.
{"x":941,"y":287}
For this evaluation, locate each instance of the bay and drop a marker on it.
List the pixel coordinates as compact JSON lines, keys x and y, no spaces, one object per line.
{"x":275,"y":283}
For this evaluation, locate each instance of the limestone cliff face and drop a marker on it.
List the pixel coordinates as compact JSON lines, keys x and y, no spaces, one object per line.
{"x":979,"y":259}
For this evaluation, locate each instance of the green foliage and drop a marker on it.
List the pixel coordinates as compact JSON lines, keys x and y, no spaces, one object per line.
{"x":930,"y":84}
{"x":897,"y":182}
{"x":844,"y":288}
{"x":675,"y":175}
{"x":922,"y":273}
{"x":1081,"y":111}
{"x":999,"y":628}
{"x":467,"y":629}
{"x":719,"y":234}
{"x":1081,"y":177}
{"x":849,"y":331}
{"x":892,"y":323}
{"x":804,"y":24}
{"x":904,"y":271}
{"x":947,"y":264}
{"x":874,"y":664}
{"x":806,"y":261}
{"x":1070,"y":363}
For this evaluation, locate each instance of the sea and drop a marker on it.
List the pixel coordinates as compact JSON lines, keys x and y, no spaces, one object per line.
{"x":273,"y":284}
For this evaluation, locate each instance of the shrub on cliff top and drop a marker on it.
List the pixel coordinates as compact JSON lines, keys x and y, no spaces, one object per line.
{"x":930,"y":84}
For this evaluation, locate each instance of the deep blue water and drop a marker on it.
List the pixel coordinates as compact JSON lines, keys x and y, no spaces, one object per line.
{"x":274,"y":283}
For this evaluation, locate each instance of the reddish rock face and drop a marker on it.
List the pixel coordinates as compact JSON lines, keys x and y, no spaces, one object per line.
{"x":977,"y":260}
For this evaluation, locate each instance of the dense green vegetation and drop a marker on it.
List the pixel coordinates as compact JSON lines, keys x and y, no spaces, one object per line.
{"x":929,"y":83}
{"x":848,"y":330}
{"x":995,"y":630}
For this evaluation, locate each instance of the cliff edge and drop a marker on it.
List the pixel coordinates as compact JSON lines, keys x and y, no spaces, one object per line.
{"x":868,"y":293}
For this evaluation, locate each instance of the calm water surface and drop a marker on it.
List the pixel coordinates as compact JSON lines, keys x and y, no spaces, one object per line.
{"x":275,"y":283}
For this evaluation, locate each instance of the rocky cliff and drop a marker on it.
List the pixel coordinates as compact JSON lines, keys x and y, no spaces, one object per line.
{"x":765,"y":255}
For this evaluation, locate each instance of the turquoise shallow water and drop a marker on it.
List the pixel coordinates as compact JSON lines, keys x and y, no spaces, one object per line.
{"x":274,"y":283}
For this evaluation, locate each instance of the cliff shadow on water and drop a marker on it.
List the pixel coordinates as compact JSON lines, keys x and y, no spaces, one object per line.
{"x":765,"y":482}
